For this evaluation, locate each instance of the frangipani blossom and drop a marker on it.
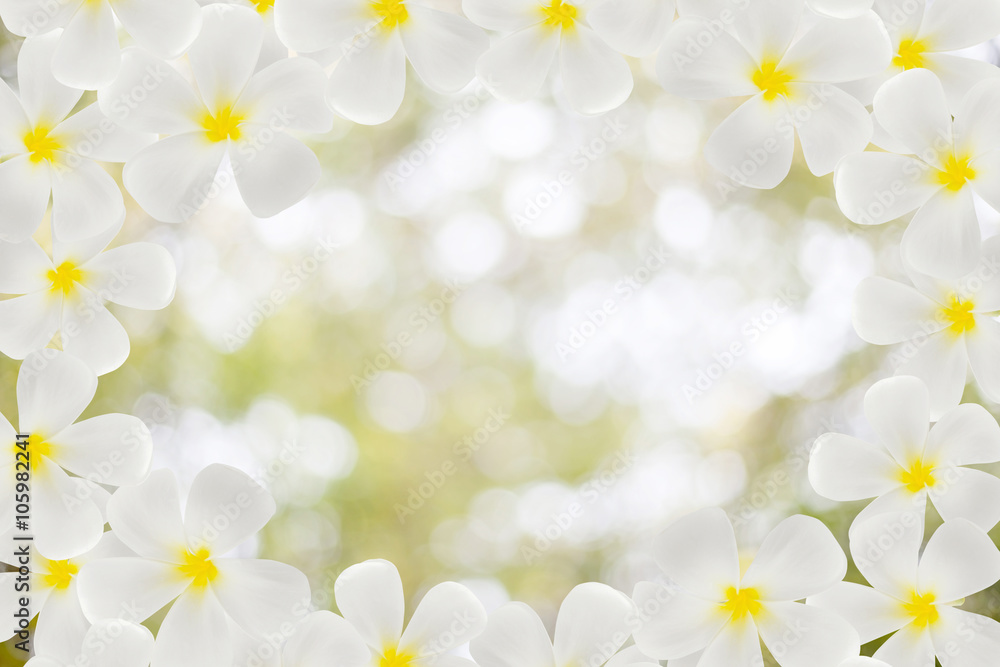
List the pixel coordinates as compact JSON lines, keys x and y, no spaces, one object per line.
{"x":633,"y":27}
{"x":720,"y":610}
{"x":273,"y":49}
{"x":376,"y":39}
{"x":49,"y":153}
{"x":61,"y":627}
{"x":922,"y":35}
{"x":87,"y":54}
{"x":65,"y":295}
{"x":915,"y":595}
{"x":179,"y":559}
{"x":913,"y":461}
{"x":948,"y":327}
{"x":231,"y":112}
{"x":765,"y":52}
{"x":324,"y":638}
{"x":108,"y":643}
{"x":593,"y":622}
{"x":370,"y":597}
{"x":53,"y":390}
{"x":948,"y":162}
{"x":595,"y":77}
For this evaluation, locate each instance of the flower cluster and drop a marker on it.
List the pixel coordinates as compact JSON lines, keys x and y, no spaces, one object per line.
{"x":236,"y":86}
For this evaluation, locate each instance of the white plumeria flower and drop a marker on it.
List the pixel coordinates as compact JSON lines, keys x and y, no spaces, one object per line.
{"x":376,"y":39}
{"x":66,"y":295}
{"x":108,"y":643}
{"x":633,"y":27}
{"x":840,"y":9}
{"x":913,"y":460}
{"x":947,"y":163}
{"x":61,"y":627}
{"x":273,"y":49}
{"x":179,"y":560}
{"x":948,"y":327}
{"x":87,"y":54}
{"x":922,"y":35}
{"x":595,"y":77}
{"x":53,"y":390}
{"x":765,"y":52}
{"x":370,"y":596}
{"x":324,"y":638}
{"x":48,"y":153}
{"x":717,"y":609}
{"x":593,"y":622}
{"x":231,"y":111}
{"x":915,"y":594}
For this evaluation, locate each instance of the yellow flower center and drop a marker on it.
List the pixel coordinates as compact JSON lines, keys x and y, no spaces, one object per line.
{"x":739,"y":603}
{"x":956,"y":173}
{"x":36,"y":449}
{"x":392,"y":657}
{"x":959,"y":315}
{"x":922,"y":609}
{"x":918,"y":477}
{"x":771,"y":80}
{"x":222,"y":126}
{"x":911,"y":54}
{"x":198,"y":567}
{"x":41,"y":145}
{"x":61,"y":573}
{"x":263,"y":6}
{"x":391,"y":13}
{"x":560,"y":14}
{"x":63,"y":277}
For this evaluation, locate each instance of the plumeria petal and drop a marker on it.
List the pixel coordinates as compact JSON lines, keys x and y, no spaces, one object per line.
{"x":873,"y":188}
{"x":325,"y":638}
{"x":899,"y":410}
{"x":514,"y":636}
{"x":208,"y":516}
{"x":967,"y":435}
{"x":966,"y":493}
{"x":147,"y":517}
{"x":260,"y":595}
{"x":597,"y":78}
{"x":150,"y":96}
{"x":137,"y":275}
{"x":224,"y":55}
{"x":872,"y":613}
{"x":87,"y":55}
{"x":983,"y":344}
{"x":24,"y":188}
{"x":195,"y":632}
{"x":800,"y":557}
{"x":90,"y":134}
{"x":844,"y":468}
{"x":913,"y":108}
{"x":62,"y":625}
{"x":110,"y":449}
{"x":678,"y":623}
{"x":820,"y":637}
{"x":962,"y":638}
{"x":273,"y":170}
{"x":29,"y":323}
{"x":819,"y":55}
{"x":887,"y":312}
{"x":45,"y":100}
{"x":165,"y":29}
{"x":959,"y":560}
{"x":289,"y":95}
{"x":950,"y":27}
{"x":830,"y":123}
{"x":699,"y":552}
{"x":885,"y":549}
{"x":515,"y":68}
{"x":135,"y":587}
{"x":941,"y":361}
{"x":62,"y":529}
{"x":752,"y":146}
{"x":943,"y":239}
{"x":593,"y":620}
{"x":24,"y":268}
{"x":721,"y":69}
{"x":503,"y":16}
{"x":370,"y":596}
{"x":738,"y":645}
{"x":442,"y":47}
{"x":910,"y":646}
{"x":92,"y":334}
{"x":53,"y":389}
{"x":633,"y":27}
{"x":379,"y":58}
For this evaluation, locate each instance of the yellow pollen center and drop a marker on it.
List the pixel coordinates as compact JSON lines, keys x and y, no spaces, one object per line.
{"x":36,"y":449}
{"x":771,"y":80}
{"x":959,"y":315}
{"x":956,"y":173}
{"x":392,"y":657}
{"x":263,"y":6}
{"x":64,"y":277}
{"x":41,"y":145}
{"x":922,"y":609}
{"x":918,"y":477}
{"x":199,"y":567}
{"x":911,"y":54}
{"x":739,"y":603}
{"x":61,"y":573}
{"x":560,"y":14}
{"x":222,"y":126}
{"x":391,"y":13}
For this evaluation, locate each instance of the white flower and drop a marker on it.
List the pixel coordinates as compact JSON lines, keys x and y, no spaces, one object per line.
{"x":45,"y":153}
{"x":370,"y":597}
{"x":915,"y":594}
{"x":53,"y":390}
{"x":717,"y":609}
{"x":87,"y":54}
{"x":66,"y":296}
{"x":108,"y":643}
{"x":273,"y":49}
{"x":595,"y":77}
{"x":179,"y":560}
{"x":324,"y":638}
{"x":764,"y":51}
{"x":948,"y":327}
{"x":376,"y":39}
{"x":948,"y":163}
{"x":633,"y":27}
{"x":840,"y":9}
{"x":231,"y":111}
{"x":912,"y":460}
{"x":61,"y":627}
{"x":922,"y":35}
{"x":593,"y":622}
